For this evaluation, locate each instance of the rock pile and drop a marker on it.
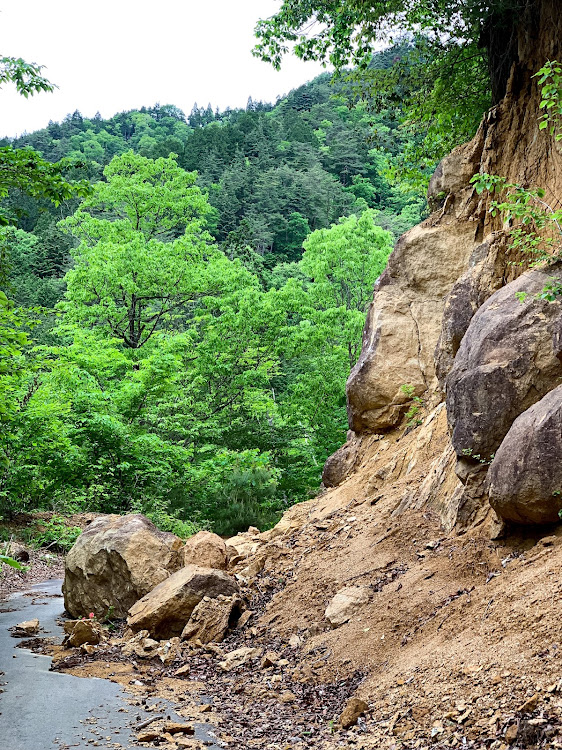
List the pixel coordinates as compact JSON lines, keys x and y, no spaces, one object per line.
{"x":116,"y":561}
{"x":166,"y":610}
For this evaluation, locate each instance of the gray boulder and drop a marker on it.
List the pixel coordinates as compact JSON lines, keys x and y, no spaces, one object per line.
{"x":116,"y":561}
{"x":525,"y":478}
{"x":508,"y":360}
{"x":485,"y":275}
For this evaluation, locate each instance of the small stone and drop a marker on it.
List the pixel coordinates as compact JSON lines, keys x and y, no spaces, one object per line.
{"x":244,"y":618}
{"x":529,"y":704}
{"x":354,"y":708}
{"x":28,"y":627}
{"x":270,"y":659}
{"x":295,"y":641}
{"x":148,"y":736}
{"x":239,"y":657}
{"x":169,"y":651}
{"x":173,"y":727}
{"x":345,"y":604}
{"x":511,"y":734}
{"x":182,"y":671}
{"x":287,"y":697}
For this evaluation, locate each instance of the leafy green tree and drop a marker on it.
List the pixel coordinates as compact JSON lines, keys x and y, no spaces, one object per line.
{"x":343,"y":263}
{"x":26,"y":77}
{"x":144,"y":255}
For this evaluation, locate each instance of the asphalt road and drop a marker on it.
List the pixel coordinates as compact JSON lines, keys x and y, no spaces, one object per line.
{"x":42,"y":710}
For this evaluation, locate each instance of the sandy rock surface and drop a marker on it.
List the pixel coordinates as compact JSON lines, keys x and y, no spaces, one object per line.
{"x":116,"y":561}
{"x":165,"y":610}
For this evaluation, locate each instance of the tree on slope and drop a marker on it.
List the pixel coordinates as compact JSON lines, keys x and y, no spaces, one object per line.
{"x":144,"y":256}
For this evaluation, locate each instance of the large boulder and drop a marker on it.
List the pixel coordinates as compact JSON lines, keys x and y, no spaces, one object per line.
{"x":165,"y":611}
{"x":404,"y":323}
{"x":508,"y":360}
{"x":525,"y":478}
{"x":207,"y":550}
{"x":488,"y":267}
{"x":116,"y":561}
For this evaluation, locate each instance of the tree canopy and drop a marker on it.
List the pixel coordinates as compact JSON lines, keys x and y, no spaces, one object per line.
{"x":461,"y":52}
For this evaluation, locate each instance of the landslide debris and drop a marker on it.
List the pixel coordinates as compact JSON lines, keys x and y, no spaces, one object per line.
{"x":115,"y":561}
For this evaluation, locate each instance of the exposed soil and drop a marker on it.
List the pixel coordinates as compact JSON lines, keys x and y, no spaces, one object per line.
{"x":459,"y":646}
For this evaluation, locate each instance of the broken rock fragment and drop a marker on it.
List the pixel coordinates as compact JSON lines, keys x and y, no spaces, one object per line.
{"x":22,"y":629}
{"x":166,"y":610}
{"x":212,"y":618}
{"x":239,"y":657}
{"x":141,"y":645}
{"x":85,"y":632}
{"x":345,"y":604}
{"x":354,"y":708}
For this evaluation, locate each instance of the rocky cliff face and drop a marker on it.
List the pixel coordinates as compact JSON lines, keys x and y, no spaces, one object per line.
{"x":445,"y":318}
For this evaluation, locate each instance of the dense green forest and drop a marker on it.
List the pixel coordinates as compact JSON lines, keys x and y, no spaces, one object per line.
{"x":178,"y":330}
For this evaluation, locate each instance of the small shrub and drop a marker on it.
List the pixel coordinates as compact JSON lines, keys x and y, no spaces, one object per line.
{"x":158,"y":513}
{"x":55,"y":534}
{"x":412,"y":415}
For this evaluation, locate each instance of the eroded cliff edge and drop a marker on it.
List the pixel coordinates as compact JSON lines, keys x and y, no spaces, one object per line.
{"x":445,"y":318}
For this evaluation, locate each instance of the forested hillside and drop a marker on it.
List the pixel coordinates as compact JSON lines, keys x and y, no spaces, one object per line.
{"x":174,"y":349}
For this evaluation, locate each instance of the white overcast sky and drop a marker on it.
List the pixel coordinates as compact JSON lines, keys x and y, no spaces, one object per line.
{"x":114,"y":55}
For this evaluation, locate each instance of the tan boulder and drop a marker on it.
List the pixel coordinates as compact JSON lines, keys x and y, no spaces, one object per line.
{"x":404,"y":324}
{"x":212,"y":618}
{"x":354,"y":708}
{"x":345,"y":604}
{"x":85,"y":631}
{"x":165,"y":611}
{"x":116,"y":561}
{"x":207,"y":550}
